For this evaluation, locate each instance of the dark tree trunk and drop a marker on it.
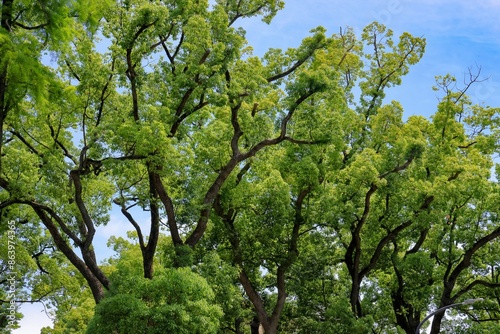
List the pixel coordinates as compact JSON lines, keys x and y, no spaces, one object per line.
{"x":149,"y":250}
{"x":255,"y":325}
{"x":436,"y":322}
{"x":237,"y":325}
{"x":406,"y":316}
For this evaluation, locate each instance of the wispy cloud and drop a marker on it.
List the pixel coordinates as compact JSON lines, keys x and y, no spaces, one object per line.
{"x":117,"y":226}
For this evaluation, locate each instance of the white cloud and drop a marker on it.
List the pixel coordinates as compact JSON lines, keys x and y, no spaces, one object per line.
{"x":117,"y":226}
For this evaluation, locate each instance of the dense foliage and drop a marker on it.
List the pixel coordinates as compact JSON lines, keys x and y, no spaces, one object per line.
{"x":280,"y":190}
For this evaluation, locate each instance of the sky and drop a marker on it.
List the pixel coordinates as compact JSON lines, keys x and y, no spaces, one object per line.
{"x":460,"y":35}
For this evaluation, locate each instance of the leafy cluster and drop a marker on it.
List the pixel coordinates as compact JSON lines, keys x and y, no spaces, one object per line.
{"x":282,"y":191}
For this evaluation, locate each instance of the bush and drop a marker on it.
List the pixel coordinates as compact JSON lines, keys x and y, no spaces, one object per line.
{"x":175,"y":301}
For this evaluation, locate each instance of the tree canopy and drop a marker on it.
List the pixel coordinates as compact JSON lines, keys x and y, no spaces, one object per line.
{"x":281,"y":190}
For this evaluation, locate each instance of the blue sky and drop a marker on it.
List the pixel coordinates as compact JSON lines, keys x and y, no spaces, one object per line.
{"x":460,"y":35}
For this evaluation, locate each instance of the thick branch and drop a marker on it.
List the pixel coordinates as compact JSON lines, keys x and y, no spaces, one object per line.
{"x":87,"y":220}
{"x":149,"y":251}
{"x":238,"y":14}
{"x":169,"y":208}
{"x":474,"y":283}
{"x":25,"y":142}
{"x":104,"y":96}
{"x":131,"y":75}
{"x":237,"y":132}
{"x":290,"y":70}
{"x":467,"y":257}
{"x":391,"y":236}
{"x":292,"y":255}
{"x":419,"y":243}
{"x":67,"y":231}
{"x":254,"y":297}
{"x":40,"y":26}
{"x":210,"y":196}
{"x":96,"y":285}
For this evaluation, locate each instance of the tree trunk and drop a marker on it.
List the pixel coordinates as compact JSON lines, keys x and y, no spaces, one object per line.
{"x":353,"y":268}
{"x":255,"y":325}
{"x":406,"y":316}
{"x":436,"y":322}
{"x":149,"y":250}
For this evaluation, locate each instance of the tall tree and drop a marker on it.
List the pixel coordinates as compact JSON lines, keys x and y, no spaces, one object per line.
{"x":175,"y":72}
{"x":254,"y":166}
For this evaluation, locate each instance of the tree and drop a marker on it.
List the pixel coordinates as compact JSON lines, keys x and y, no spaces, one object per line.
{"x":207,"y":81}
{"x":176,"y":300}
{"x":430,"y":227}
{"x":262,"y":171}
{"x":455,"y":250}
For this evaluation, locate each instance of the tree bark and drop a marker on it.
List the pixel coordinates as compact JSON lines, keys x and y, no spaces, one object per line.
{"x":149,"y":250}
